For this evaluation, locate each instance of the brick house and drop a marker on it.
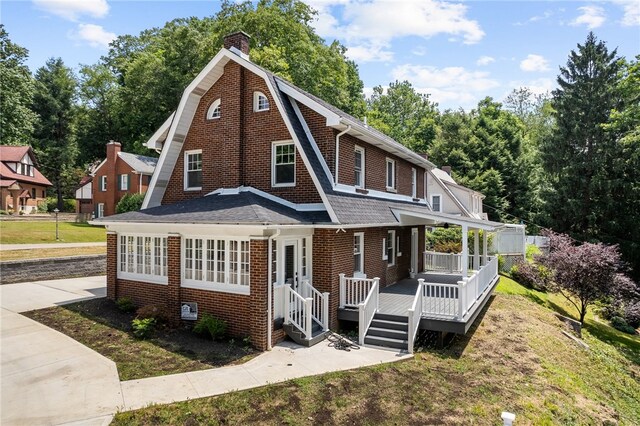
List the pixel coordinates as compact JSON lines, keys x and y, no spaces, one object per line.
{"x":119,"y":174}
{"x":21,"y":183}
{"x":283,"y":215}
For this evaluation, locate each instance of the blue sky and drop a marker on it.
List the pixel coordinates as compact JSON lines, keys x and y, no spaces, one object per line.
{"x":458,"y":52}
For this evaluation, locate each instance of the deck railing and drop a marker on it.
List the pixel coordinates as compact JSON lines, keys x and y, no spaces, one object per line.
{"x":367,"y":309}
{"x":449,"y":262}
{"x":319,"y":304}
{"x":354,"y":291}
{"x":440,"y":300}
{"x":414,"y":315}
{"x":472,"y":288}
{"x":298,"y":311}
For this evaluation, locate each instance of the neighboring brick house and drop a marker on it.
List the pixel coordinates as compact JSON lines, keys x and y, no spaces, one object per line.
{"x":269,"y":208}
{"x":119,"y":174}
{"x":22,"y":186}
{"x":446,"y":196}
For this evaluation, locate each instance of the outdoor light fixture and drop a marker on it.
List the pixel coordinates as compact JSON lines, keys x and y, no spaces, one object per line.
{"x":56,"y":211}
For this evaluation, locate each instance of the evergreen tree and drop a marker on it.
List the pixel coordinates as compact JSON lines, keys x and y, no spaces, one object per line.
{"x":580,"y":156}
{"x":16,"y":93}
{"x":54,"y":139}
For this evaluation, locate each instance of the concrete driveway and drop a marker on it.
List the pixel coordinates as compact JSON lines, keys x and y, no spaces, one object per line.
{"x":47,"y":377}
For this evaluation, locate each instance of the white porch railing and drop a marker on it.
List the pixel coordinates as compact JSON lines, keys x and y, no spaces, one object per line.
{"x":319,"y":304}
{"x":448,"y":262}
{"x":298,"y":311}
{"x":440,"y":300}
{"x":367,"y":309}
{"x":414,"y":314}
{"x":354,"y":291}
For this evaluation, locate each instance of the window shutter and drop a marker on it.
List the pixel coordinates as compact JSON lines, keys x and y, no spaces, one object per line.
{"x":128,"y":182}
{"x":119,"y":182}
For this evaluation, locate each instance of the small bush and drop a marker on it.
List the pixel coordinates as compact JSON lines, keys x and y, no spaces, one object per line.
{"x":68,"y":205}
{"x":448,"y":247}
{"x":130,"y":203}
{"x":531,"y":275}
{"x":532,"y":252}
{"x":144,"y":327}
{"x":208,"y":324}
{"x":632,"y":314}
{"x":125,"y":304}
{"x":620,"y":324}
{"x":159,"y":313}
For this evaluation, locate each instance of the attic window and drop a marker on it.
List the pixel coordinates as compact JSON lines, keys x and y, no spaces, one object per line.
{"x":260,"y":102}
{"x":214,"y":110}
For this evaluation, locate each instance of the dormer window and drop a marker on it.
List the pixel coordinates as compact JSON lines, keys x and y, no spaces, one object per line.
{"x":260,"y":102}
{"x":214,"y":110}
{"x":25,"y":166}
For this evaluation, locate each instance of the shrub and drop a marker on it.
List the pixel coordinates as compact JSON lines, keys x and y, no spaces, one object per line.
{"x":500,"y":263}
{"x":68,"y":205}
{"x":620,"y":324}
{"x":531,"y":275}
{"x":632,"y":315}
{"x":158,"y":313}
{"x":125,"y":304}
{"x":142,"y":328}
{"x":215,"y":327}
{"x":448,"y":247}
{"x":130,"y":203}
{"x":532,"y":251}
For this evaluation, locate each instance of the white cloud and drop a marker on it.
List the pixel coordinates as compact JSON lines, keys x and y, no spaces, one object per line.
{"x":371,"y":53}
{"x":449,"y":86}
{"x":539,"y":86}
{"x":74,"y":9}
{"x":93,"y":35}
{"x":376,"y":23}
{"x":631,"y":10}
{"x":484,"y":60}
{"x":534,"y":63}
{"x":592,"y":17}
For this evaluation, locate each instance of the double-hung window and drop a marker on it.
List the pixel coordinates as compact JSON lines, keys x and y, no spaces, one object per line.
{"x":124,"y":182}
{"x":389,"y":248}
{"x":283,"y":164}
{"x":391,"y":174}
{"x":143,"y":257}
{"x":414,"y":183}
{"x":436,"y":203}
{"x":358,"y":167}
{"x":103,"y":183}
{"x":358,"y":254}
{"x":193,"y":170}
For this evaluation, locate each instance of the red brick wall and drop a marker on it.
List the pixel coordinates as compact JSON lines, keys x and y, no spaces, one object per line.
{"x":6,"y":199}
{"x":112,"y":265}
{"x":236,"y":148}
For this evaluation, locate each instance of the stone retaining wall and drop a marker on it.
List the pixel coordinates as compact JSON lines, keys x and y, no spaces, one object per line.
{"x":16,"y":271}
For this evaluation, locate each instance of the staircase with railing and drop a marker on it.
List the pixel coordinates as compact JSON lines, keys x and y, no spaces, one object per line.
{"x":306,"y":314}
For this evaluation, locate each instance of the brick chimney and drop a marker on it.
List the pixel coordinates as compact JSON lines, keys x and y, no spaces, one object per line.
{"x":239,"y":40}
{"x":446,"y":169}
{"x":113,"y":148}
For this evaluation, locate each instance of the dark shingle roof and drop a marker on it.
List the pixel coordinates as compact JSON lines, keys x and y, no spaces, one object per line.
{"x":244,"y":207}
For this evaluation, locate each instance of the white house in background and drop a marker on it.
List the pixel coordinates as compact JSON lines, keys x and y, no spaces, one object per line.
{"x":447,"y":196}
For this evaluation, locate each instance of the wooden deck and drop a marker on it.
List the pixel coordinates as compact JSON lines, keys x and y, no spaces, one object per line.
{"x":397,"y":298}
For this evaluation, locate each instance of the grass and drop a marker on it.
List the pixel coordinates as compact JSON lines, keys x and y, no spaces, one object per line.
{"x":110,"y":335}
{"x":36,"y":232}
{"x":46,"y":253}
{"x":516,"y":359}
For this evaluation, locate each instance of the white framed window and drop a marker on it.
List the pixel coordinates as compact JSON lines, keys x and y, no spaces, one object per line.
{"x":283,"y":164}
{"x":391,"y":175}
{"x":124,"y":182}
{"x":358,"y":254}
{"x":220,"y":264}
{"x":358,"y":166}
{"x":398,"y":247}
{"x":389,"y":248}
{"x":436,"y":202}
{"x":260,"y":102}
{"x":103,"y":183}
{"x":193,"y":170}
{"x":214,"y":110}
{"x":414,"y":183}
{"x":143,"y":258}
{"x":100,"y":210}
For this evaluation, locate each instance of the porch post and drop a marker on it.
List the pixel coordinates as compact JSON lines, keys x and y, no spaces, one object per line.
{"x":465,"y":252}
{"x":343,"y":294}
{"x":484,"y":247}
{"x":476,"y":249}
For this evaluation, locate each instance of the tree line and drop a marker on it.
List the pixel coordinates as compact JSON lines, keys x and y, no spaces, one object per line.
{"x":568,"y":160}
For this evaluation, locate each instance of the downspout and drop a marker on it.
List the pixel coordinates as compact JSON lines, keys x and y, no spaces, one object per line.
{"x":338,"y":152}
{"x":270,"y":287}
{"x":140,"y":185}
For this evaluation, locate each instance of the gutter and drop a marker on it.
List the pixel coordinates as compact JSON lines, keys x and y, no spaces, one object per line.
{"x":338,"y":152}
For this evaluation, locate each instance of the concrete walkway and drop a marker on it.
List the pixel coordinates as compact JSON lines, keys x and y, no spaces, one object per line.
{"x":49,"y":378}
{"x":49,"y":246}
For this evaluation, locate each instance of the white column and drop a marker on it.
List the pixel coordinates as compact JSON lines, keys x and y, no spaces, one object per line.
{"x":465,"y":252}
{"x":484,"y":247}
{"x":476,"y":249}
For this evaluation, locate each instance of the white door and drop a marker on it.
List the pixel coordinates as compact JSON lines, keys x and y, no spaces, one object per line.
{"x":414,"y":252}
{"x":290,"y":264}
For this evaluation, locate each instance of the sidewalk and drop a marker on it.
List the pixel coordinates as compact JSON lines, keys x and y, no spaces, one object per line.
{"x":49,"y":246}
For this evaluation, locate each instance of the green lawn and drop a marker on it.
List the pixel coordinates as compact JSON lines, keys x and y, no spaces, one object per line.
{"x":14,"y":232}
{"x":516,"y":359}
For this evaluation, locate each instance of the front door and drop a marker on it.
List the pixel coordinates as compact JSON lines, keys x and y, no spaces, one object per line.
{"x":291,"y":264}
{"x":414,"y":252}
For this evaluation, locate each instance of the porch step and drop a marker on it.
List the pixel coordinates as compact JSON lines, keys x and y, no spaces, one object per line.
{"x":317,"y":335}
{"x":390,"y":331}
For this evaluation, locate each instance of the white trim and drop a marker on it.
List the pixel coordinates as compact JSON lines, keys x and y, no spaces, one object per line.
{"x":95,"y":171}
{"x":359,"y":235}
{"x":126,"y":181}
{"x":394,"y":185}
{"x":439,"y":203}
{"x":361,"y":150}
{"x":100,"y":212}
{"x":274,"y":145}
{"x":378,"y":194}
{"x":153,"y":142}
{"x":136,"y":276}
{"x":393,"y":247}
{"x":450,"y":193}
{"x":256,"y":101}
{"x":186,"y":170}
{"x":302,"y":207}
{"x":212,"y":109}
{"x":333,"y":119}
{"x":414,"y":182}
{"x":103,"y":183}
